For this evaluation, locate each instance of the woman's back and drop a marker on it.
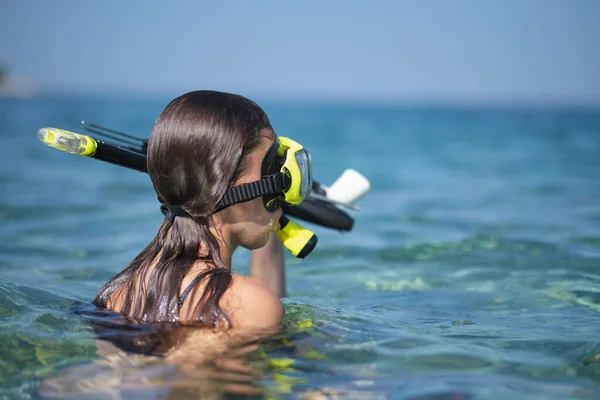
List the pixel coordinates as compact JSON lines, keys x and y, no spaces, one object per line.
{"x":247,"y":302}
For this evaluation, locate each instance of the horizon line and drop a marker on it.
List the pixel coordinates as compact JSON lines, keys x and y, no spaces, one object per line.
{"x":348,"y":98}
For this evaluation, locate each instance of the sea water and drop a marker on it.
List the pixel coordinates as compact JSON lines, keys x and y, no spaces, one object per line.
{"x":472,"y":270}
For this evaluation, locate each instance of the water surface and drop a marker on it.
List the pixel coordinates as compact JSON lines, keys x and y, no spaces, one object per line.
{"x":472,"y":270}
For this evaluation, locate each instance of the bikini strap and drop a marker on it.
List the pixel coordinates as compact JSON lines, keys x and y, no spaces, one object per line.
{"x":188,"y":289}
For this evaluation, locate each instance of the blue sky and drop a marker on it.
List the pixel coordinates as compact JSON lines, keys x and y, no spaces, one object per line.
{"x":443,"y":50}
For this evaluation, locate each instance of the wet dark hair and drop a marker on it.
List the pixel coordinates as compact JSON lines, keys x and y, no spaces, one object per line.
{"x":197,"y":149}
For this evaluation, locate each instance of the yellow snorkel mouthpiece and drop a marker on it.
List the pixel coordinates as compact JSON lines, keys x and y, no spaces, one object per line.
{"x":299,"y":240}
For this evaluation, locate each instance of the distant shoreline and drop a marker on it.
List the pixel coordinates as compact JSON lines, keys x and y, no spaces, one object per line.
{"x":269,"y":100}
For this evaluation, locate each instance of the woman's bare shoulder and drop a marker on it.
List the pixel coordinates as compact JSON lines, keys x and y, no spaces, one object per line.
{"x":251,"y":304}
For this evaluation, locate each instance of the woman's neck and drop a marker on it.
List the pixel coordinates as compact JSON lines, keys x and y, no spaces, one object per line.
{"x":225,"y":239}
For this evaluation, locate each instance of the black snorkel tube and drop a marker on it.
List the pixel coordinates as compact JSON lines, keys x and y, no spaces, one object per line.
{"x":131,"y":152}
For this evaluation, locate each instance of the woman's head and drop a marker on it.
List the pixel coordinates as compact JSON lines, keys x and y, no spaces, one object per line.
{"x":203,"y":143}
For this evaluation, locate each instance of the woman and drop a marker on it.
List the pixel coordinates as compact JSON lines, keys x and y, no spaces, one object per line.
{"x":202,"y":144}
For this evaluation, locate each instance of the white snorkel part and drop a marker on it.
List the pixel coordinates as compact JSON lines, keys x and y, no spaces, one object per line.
{"x":350,"y":187}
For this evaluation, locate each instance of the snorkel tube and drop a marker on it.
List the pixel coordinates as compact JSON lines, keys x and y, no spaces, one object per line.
{"x":131,"y":153}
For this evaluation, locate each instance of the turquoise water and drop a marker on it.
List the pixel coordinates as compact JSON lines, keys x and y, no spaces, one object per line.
{"x":472,"y":272}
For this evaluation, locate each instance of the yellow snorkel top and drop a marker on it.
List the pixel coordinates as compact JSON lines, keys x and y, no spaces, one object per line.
{"x":70,"y":142}
{"x":86,"y":146}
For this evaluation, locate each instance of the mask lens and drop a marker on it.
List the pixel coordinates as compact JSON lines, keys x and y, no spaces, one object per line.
{"x":304,"y":161}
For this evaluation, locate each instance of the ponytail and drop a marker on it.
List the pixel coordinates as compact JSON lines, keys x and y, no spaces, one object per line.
{"x":152,"y":282}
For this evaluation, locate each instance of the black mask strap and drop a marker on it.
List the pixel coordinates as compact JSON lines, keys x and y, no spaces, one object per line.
{"x":269,"y":185}
{"x":170,"y":211}
{"x":273,"y":184}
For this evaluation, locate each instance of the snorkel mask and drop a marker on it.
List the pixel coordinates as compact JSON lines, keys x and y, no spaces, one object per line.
{"x":286,"y":174}
{"x":287,"y":178}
